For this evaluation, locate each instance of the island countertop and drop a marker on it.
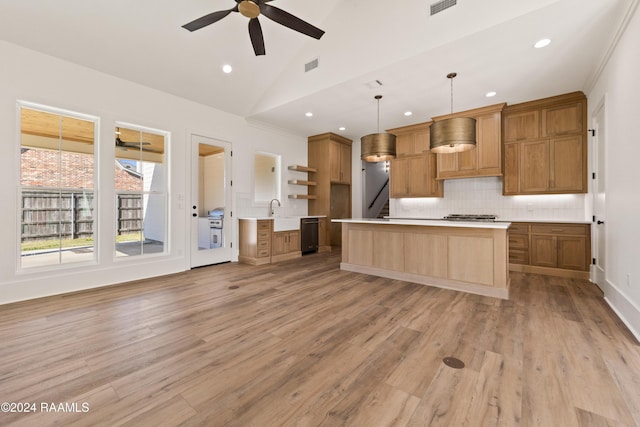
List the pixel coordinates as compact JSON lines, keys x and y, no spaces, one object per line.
{"x":426,"y":222}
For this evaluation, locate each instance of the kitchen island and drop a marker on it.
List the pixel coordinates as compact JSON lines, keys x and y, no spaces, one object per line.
{"x":464,"y":256}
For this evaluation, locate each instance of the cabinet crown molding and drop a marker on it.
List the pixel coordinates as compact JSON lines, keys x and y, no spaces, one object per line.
{"x":494,"y":108}
{"x":331,"y":136}
{"x":544,"y":102}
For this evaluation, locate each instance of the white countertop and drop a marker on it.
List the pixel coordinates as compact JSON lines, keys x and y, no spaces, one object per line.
{"x":274,"y":217}
{"x":425,"y":222}
{"x":548,"y":221}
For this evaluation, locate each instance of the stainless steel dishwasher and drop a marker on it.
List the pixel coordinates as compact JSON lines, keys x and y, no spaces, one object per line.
{"x":309,"y":235}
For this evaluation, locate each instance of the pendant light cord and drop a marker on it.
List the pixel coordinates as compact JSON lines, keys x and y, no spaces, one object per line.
{"x":451,"y":95}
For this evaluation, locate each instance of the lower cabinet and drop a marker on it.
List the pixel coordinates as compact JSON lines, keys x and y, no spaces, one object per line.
{"x":285,"y":245}
{"x":553,"y":248}
{"x":259,"y":244}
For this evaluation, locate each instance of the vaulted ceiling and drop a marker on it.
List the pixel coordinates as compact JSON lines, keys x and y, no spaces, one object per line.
{"x":489,"y":43}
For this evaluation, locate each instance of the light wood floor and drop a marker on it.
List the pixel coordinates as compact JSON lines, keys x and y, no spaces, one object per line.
{"x":303,"y":343}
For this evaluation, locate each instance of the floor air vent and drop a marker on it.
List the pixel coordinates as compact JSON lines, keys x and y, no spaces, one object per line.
{"x":311,"y":65}
{"x":442,"y":5}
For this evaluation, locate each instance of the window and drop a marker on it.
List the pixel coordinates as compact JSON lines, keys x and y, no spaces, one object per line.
{"x":57,"y":187}
{"x":141,"y":191}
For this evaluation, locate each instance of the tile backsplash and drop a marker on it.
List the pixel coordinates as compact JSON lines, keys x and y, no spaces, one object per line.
{"x":484,"y":196}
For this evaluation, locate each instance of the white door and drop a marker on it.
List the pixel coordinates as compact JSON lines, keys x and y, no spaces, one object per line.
{"x":210,"y":190}
{"x":599,"y":225}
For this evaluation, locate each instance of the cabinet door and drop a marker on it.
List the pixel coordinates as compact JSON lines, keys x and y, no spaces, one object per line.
{"x":447,"y":163}
{"x":572,"y":253}
{"x":489,"y":146}
{"x":334,"y":161}
{"x":404,"y":144}
{"x":567,"y":171}
{"x":511,"y":184}
{"x":421,"y":142}
{"x":534,"y":166}
{"x":562,"y":120}
{"x":399,"y":178}
{"x":435,"y":188}
{"x":521,"y":126}
{"x":418,"y":179}
{"x":293,"y":241}
{"x":279,"y":243}
{"x":544,"y":251}
{"x":345,"y":164}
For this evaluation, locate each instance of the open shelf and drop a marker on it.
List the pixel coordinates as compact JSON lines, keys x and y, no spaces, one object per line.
{"x":299,"y":168}
{"x":302,"y":196}
{"x":301,"y":182}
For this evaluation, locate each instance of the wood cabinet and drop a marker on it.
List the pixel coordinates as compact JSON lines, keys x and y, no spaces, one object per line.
{"x":545,"y":146}
{"x":486,"y":158}
{"x":553,"y":248}
{"x":340,"y":162}
{"x":413,"y":172}
{"x":255,"y":241}
{"x":285,"y":245}
{"x":259,"y":244}
{"x":330,"y":155}
{"x":519,"y":243}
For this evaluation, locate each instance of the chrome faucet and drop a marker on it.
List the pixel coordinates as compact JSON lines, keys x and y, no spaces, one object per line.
{"x":271,"y":212}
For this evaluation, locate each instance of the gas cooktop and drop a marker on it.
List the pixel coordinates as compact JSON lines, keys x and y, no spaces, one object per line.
{"x":470,"y":217}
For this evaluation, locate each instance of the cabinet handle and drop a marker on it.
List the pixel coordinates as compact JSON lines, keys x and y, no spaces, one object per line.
{"x":557,"y":230}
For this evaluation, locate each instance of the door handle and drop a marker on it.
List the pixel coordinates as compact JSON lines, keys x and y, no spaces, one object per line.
{"x":600,"y":222}
{"x":194,"y":215}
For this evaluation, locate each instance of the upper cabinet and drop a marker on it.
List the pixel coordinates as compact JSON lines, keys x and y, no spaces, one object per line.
{"x":413,"y":172}
{"x":545,"y":146}
{"x":486,"y":158}
{"x":340,"y":162}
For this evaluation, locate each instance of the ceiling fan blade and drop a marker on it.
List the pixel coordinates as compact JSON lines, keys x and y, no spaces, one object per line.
{"x":255,"y":32}
{"x":208,"y":19}
{"x":290,"y":21}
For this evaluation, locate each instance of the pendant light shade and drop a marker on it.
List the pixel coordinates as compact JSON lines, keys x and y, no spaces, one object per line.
{"x":378,"y":147}
{"x":453,"y":135}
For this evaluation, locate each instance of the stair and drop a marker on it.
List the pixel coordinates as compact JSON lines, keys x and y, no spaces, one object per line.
{"x":384,"y":211}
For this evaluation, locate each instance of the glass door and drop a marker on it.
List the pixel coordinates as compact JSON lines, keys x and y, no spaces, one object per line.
{"x":210,"y":208}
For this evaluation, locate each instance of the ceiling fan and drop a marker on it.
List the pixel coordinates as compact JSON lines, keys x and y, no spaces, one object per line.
{"x":252,"y":9}
{"x":126,"y":144}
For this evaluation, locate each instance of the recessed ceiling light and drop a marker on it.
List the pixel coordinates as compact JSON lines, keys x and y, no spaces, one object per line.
{"x":542,"y":43}
{"x":491,"y":94}
{"x":342,"y":128}
{"x":226,"y":68}
{"x":309,"y":114}
{"x":408,"y":113}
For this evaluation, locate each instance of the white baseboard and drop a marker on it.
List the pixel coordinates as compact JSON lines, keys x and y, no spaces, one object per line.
{"x":624,"y":308}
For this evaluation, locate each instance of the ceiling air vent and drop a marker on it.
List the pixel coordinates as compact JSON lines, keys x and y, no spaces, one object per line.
{"x":311,"y":65}
{"x":442,"y":5}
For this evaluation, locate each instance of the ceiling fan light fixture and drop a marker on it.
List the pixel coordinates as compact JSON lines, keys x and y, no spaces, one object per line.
{"x":452,"y":135}
{"x":249,"y":9}
{"x":378,"y":147}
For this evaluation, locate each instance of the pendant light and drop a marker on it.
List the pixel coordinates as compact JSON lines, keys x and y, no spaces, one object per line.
{"x":378,"y":147}
{"x":455,"y":134}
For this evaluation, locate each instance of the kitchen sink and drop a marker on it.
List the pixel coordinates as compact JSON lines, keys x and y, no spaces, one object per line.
{"x":285,"y":223}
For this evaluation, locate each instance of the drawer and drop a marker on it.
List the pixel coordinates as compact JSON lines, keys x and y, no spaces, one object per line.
{"x":264,"y":225}
{"x":518,"y":241}
{"x":263,"y":236}
{"x":571,"y":229}
{"x":519,"y":228}
{"x":263,"y":244}
{"x":518,"y":256}
{"x":262,"y":253}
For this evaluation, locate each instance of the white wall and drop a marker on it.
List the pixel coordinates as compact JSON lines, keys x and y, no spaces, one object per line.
{"x":31,"y":76}
{"x":619,"y":87}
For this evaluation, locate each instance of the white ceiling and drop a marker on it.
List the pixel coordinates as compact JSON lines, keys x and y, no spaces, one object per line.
{"x":488,"y":43}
